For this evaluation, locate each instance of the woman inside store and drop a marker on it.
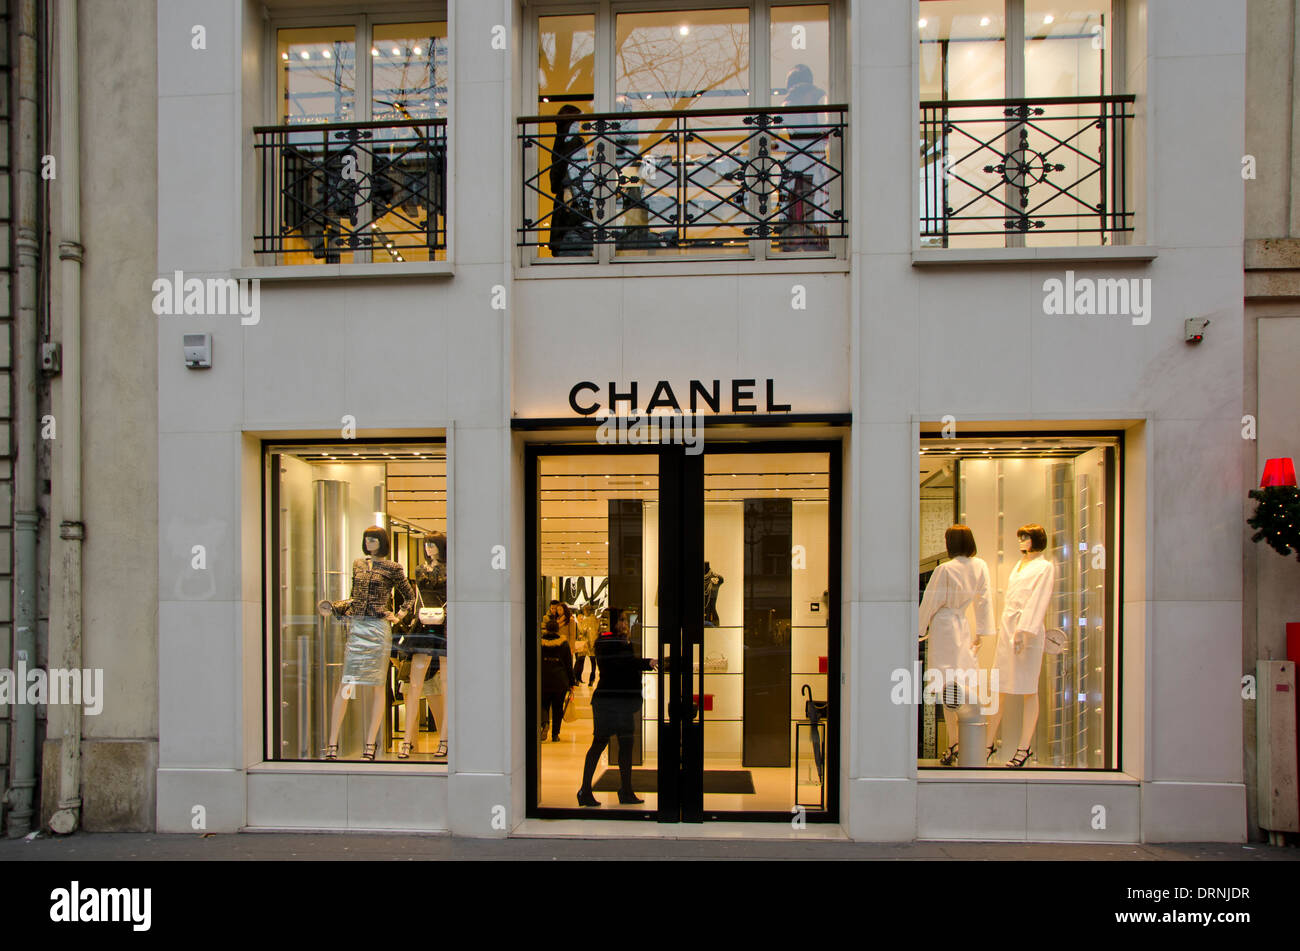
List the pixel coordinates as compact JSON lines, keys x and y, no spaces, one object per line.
{"x":955,"y":585}
{"x":614,"y":706}
{"x":557,"y":678}
{"x":571,"y":215}
{"x":562,"y":614}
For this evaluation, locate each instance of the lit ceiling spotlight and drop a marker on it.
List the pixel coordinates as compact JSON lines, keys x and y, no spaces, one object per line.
{"x":373,"y":51}
{"x":397,"y":51}
{"x":984,"y":21}
{"x":1049,"y":19}
{"x":305,"y":54}
{"x":923,"y":23}
{"x":325,"y":53}
{"x":284,"y":56}
{"x":416,"y":51}
{"x":684,"y":30}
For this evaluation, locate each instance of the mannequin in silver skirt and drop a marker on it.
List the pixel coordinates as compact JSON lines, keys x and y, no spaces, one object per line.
{"x":370,"y":635}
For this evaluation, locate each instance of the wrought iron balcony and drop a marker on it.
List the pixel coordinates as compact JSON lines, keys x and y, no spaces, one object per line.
{"x":353,"y":191}
{"x":1017,"y":167}
{"x":719,"y":181}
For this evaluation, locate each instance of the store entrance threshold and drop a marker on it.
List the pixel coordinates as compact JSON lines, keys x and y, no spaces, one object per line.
{"x":614,"y":829}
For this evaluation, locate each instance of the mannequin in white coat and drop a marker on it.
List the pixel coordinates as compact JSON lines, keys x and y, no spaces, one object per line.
{"x":954,"y":586}
{"x":1019,"y":659}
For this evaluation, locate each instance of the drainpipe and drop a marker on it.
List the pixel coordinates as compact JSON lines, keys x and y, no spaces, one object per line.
{"x":71,"y":529}
{"x":26,"y":423}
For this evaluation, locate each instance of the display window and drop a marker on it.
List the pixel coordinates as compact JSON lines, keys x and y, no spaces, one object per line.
{"x":357,"y":621}
{"x":359,"y":158}
{"x":683,"y":153}
{"x":1017,"y":664}
{"x":682,"y":665}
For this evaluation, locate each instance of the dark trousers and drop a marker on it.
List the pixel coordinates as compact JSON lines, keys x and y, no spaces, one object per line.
{"x":553,"y":712}
{"x":577,"y":669}
{"x":598,"y":744}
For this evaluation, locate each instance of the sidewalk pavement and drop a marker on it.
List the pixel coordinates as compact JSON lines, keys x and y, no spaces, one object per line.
{"x":326,"y":846}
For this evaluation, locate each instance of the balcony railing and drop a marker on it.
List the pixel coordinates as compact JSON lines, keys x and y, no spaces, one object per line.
{"x":353,"y":191}
{"x":1024,"y":167}
{"x":713,"y":181}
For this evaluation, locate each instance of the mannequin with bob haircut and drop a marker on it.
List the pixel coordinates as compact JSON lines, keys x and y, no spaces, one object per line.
{"x":370,"y":634}
{"x":1021,"y":637}
{"x":960,"y":583}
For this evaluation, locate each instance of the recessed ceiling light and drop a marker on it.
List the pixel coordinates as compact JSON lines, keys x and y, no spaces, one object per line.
{"x":416,"y":51}
{"x":373,"y":51}
{"x":984,"y":21}
{"x":396,"y":51}
{"x":922,"y":23}
{"x":325,"y":53}
{"x":684,"y":30}
{"x":1049,"y":19}
{"x":305,"y":54}
{"x":284,"y":56}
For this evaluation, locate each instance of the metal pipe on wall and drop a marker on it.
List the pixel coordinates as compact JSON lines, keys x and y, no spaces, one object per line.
{"x":27,"y":517}
{"x":71,"y":529}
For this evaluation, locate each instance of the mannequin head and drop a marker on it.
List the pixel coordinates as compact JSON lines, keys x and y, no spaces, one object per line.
{"x":1033,"y":538}
{"x":960,"y":541}
{"x":435,"y":547}
{"x":374,"y":542}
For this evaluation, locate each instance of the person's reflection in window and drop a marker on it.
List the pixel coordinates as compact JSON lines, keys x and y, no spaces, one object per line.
{"x":571,"y":217}
{"x":802,"y":194}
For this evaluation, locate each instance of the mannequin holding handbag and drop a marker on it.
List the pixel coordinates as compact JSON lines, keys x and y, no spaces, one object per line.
{"x":424,"y":646}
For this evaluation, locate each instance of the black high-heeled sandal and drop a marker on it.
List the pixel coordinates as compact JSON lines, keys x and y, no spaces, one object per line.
{"x":1018,"y":761}
{"x":950,"y":757}
{"x":586,"y":798}
{"x":332,"y":751}
{"x":369,"y":752}
{"x":629,"y":799}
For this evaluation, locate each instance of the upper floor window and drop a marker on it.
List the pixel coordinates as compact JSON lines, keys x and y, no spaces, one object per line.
{"x":671,"y":132}
{"x":354,"y":171}
{"x":1022,"y":139}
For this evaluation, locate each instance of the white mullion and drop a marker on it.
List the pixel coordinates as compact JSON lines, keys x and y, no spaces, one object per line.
{"x":603,"y":89}
{"x":1014,"y":49}
{"x":760,"y":79}
{"x":364,"y":43}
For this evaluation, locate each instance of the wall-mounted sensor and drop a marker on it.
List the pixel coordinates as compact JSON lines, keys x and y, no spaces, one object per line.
{"x":1194,"y":329}
{"x":198,"y":350}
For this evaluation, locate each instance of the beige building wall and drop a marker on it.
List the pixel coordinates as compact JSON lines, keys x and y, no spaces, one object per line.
{"x":1272,"y":331}
{"x":119,"y":176}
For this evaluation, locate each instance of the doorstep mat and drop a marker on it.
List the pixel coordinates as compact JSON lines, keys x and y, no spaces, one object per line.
{"x":723,"y":781}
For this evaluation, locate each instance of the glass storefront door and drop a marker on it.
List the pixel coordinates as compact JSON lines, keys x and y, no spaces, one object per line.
{"x":705,"y":587}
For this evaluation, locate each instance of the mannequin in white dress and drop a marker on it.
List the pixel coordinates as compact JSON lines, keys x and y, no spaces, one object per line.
{"x":1019,"y":658}
{"x":955,"y":586}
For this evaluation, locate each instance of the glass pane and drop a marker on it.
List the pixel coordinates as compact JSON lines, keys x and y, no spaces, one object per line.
{"x":329,"y":497}
{"x":566,"y":63}
{"x":317,"y":80}
{"x":407,"y":186}
{"x":962,"y":56}
{"x":995,"y":488}
{"x":315,"y":84}
{"x":766,"y":609}
{"x":1066,"y":55}
{"x":598,"y":534}
{"x":807,"y":187}
{"x":690,"y":60}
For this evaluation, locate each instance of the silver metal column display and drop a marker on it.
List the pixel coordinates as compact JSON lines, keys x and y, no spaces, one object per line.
{"x":330,"y":532}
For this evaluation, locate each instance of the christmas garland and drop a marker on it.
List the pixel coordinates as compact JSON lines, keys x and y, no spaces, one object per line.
{"x":1277,"y":518}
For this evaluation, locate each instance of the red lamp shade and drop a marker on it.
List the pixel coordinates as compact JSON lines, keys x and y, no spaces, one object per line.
{"x":1278,"y":472}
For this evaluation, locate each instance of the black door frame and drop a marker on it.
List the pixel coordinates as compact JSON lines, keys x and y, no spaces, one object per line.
{"x":681,"y":542}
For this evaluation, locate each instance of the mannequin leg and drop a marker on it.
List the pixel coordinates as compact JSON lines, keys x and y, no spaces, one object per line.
{"x":995,"y":721}
{"x":376,"y":711}
{"x":414,"y":687}
{"x":1028,"y":720}
{"x":336,"y":715}
{"x":950,"y":721}
{"x":438,"y":702}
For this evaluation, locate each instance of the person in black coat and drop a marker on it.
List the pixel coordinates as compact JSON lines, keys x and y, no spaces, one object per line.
{"x":557,"y":677}
{"x":572,"y":211}
{"x":614,"y":704}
